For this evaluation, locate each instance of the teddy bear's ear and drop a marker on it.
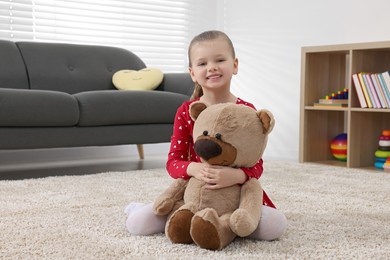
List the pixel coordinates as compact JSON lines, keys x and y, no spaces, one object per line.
{"x":267,"y":119}
{"x":196,"y":108}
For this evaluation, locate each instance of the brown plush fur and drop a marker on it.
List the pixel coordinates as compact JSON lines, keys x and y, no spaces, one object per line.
{"x":225,"y":134}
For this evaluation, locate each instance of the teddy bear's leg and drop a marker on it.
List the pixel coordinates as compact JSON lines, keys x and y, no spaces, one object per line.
{"x":245,"y":219}
{"x":164,"y":203}
{"x":178,"y":226}
{"x":210,"y":231}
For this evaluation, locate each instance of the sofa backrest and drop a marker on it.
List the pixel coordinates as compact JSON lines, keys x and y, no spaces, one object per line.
{"x":74,"y":68}
{"x":12,"y":71}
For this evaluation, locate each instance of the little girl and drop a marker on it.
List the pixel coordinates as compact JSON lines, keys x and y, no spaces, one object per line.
{"x":212,"y":64}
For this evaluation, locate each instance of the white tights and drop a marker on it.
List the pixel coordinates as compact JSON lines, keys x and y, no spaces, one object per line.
{"x":142,"y":221}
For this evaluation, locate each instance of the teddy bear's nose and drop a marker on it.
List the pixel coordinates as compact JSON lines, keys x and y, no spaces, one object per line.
{"x":207,"y":149}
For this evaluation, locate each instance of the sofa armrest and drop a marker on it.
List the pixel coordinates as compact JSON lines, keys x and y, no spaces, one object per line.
{"x":178,"y":83}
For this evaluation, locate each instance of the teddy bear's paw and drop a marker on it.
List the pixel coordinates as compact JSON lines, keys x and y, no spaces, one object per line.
{"x":205,"y":234}
{"x":178,"y":227}
{"x":242,"y":223}
{"x":163,"y":207}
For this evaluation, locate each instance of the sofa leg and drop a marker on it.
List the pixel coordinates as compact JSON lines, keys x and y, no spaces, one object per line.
{"x":140,"y":148}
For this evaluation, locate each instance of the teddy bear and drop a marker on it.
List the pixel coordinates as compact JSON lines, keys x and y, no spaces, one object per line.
{"x":224,"y":134}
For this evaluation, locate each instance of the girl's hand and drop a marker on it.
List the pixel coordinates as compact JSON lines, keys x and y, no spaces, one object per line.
{"x":218,"y":177}
{"x":194,"y":170}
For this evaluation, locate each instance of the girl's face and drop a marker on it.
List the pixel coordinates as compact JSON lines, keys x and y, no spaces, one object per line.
{"x":212,"y":64}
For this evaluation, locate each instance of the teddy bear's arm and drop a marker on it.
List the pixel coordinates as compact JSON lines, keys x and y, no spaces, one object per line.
{"x":245,"y":219}
{"x":164,"y":203}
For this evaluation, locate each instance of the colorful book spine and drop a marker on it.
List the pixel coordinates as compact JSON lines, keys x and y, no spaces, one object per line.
{"x":384,"y":87}
{"x":386,"y":79}
{"x":378,"y":90}
{"x":372,"y":91}
{"x":365,"y":90}
{"x":359,"y":91}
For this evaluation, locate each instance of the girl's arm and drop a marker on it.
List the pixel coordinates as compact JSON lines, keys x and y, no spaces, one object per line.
{"x":179,"y":156}
{"x":255,"y":171}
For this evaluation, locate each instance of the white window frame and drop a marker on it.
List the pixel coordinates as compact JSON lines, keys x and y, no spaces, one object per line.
{"x":155,"y":30}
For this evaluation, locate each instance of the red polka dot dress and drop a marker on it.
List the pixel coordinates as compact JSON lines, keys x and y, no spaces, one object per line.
{"x":181,"y":152}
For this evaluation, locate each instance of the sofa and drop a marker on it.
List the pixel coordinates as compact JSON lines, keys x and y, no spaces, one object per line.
{"x":55,"y":95}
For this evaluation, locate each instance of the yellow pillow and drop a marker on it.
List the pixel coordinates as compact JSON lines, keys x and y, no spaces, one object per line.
{"x":145,"y":79}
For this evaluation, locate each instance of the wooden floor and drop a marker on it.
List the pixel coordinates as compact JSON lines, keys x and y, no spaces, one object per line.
{"x":35,"y":163}
{"x":79,"y":167}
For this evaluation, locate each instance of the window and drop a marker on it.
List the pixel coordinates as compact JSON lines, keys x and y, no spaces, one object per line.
{"x":155,"y":30}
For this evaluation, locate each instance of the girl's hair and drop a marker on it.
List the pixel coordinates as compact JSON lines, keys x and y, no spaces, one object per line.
{"x":206,"y":36}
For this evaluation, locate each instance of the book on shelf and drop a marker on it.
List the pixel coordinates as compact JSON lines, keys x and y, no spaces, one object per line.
{"x":359,"y":91}
{"x":371,"y":90}
{"x":386,"y":81}
{"x":386,"y":90}
{"x":333,"y":101}
{"x":365,"y":90}
{"x":379,"y":90}
{"x":330,"y":105}
{"x":375,"y":91}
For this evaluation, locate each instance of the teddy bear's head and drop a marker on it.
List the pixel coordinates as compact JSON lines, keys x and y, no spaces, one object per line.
{"x":230,"y":134}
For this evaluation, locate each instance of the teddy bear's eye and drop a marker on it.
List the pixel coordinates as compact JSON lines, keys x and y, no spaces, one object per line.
{"x":218,"y":136}
{"x":205,"y":132}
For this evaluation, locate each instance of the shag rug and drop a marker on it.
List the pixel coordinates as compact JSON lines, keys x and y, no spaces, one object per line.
{"x":332,"y":212}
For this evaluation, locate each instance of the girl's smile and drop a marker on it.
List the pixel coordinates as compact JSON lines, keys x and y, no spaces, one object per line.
{"x":214,"y":76}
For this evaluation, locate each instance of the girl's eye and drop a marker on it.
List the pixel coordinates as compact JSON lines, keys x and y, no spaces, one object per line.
{"x":202,"y":64}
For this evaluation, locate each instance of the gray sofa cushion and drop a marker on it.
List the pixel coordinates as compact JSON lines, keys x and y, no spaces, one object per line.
{"x":73,"y":68}
{"x":52,"y":137}
{"x":115,"y":107}
{"x":19,"y":107}
{"x":12,"y":70}
{"x":177,"y":83}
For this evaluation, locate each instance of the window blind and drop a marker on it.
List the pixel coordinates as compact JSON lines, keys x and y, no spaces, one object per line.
{"x":155,"y":30}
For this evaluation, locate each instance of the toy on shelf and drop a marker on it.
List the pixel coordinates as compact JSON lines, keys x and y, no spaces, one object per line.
{"x":383,"y":152}
{"x":338,"y":147}
{"x":386,"y":165}
{"x":335,"y":99}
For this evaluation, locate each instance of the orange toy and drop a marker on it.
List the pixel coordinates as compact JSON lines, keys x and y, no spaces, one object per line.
{"x":386,"y":132}
{"x":386,"y":165}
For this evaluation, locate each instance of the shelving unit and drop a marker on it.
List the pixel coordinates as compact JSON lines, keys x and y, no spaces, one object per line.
{"x":326,"y":69}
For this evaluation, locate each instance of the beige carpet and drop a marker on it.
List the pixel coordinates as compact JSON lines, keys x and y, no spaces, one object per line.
{"x":333,"y":213}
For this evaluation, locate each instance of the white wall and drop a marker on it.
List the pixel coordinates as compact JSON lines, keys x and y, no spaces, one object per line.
{"x":268,"y":36}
